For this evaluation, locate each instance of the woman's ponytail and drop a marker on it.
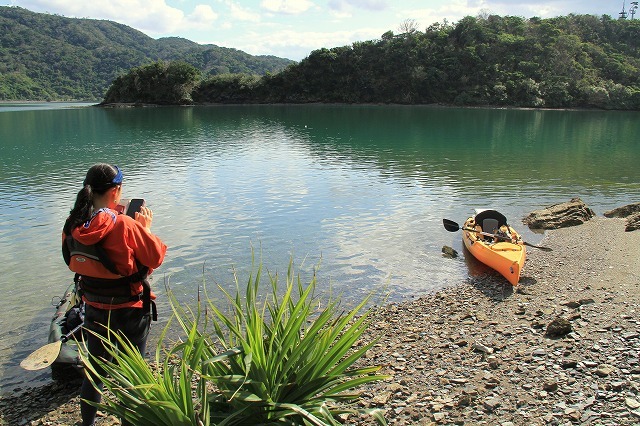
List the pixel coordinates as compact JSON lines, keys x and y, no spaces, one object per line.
{"x":100,"y":178}
{"x":82,"y":209}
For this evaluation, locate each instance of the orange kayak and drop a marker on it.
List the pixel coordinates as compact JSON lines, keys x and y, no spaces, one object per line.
{"x":496,"y":244}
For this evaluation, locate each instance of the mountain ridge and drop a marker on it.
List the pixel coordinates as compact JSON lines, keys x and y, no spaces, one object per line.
{"x":52,"y":57}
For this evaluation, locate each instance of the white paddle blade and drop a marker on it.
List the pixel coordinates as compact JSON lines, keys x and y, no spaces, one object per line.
{"x":43,"y":357}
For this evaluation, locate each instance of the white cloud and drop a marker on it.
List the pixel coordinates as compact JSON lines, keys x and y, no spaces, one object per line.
{"x":287,"y":7}
{"x":375,"y":5}
{"x":298,"y":44}
{"x":539,"y":8}
{"x":454,"y":10}
{"x":150,"y":16}
{"x":345,"y":9}
{"x":241,"y":13}
{"x":202,"y":16}
{"x":341,"y":14}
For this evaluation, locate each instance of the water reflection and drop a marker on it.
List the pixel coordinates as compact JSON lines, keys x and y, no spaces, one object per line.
{"x":360,"y":191}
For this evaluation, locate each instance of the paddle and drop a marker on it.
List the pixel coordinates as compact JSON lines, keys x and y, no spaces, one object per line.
{"x":46,"y":355}
{"x":452,"y":226}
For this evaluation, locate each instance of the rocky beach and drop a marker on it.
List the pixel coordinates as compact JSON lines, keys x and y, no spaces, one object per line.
{"x":562,"y":348}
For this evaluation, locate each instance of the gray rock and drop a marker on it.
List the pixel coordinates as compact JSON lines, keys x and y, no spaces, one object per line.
{"x":381,"y":398}
{"x":572,"y":213}
{"x":539,"y":352}
{"x":449,"y":252}
{"x":479,"y":347}
{"x":569,"y":363}
{"x":491,"y":404}
{"x":604,"y":370}
{"x":632,"y":403}
{"x":438,"y":417}
{"x":550,"y":385}
{"x":624,"y":211}
{"x":633,"y":222}
{"x":559,"y":327}
{"x":631,"y":212}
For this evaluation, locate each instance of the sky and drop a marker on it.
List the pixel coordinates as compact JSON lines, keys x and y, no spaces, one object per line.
{"x":294,"y":28}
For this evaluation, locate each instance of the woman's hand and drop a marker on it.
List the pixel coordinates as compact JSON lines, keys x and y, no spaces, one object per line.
{"x":145,"y":217}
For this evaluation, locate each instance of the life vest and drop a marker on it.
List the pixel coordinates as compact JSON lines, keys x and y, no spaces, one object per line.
{"x":99,"y":281}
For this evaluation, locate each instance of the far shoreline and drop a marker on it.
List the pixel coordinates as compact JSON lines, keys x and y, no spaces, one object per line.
{"x":374,"y":104}
{"x":101,"y":104}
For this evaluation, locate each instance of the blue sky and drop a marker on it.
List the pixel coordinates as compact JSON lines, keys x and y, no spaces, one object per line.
{"x":293,"y":28}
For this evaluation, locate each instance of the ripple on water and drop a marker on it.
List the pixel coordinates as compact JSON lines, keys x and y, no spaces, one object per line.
{"x":359,"y":191}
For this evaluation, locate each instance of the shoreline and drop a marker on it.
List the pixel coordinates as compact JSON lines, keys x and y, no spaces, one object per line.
{"x":477,"y":353}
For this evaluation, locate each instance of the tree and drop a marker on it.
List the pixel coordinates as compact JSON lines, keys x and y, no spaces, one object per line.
{"x":408,"y":26}
{"x":156,"y":83}
{"x":564,"y":62}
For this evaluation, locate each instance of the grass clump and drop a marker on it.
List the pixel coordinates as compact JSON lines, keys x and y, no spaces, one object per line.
{"x":283,"y":360}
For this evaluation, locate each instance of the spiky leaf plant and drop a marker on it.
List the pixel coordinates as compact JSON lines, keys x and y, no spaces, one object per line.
{"x":282,"y":360}
{"x":174,"y":393}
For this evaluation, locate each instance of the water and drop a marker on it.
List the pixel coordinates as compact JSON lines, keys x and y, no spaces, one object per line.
{"x":359,"y":190}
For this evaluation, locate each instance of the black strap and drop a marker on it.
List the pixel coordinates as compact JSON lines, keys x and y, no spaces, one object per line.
{"x":102,"y":290}
{"x":104,"y":283}
{"x":148,"y":305}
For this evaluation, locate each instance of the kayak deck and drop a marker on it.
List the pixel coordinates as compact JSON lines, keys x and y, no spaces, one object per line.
{"x":61,"y":325}
{"x":505,"y":257}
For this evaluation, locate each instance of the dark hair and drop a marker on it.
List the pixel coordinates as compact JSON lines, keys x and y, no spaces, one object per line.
{"x":100,"y":178}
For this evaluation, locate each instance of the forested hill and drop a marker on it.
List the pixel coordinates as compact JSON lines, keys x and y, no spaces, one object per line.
{"x":563,"y":62}
{"x":50,"y":57}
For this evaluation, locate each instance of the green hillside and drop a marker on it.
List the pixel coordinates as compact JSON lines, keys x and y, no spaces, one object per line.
{"x":51,"y":57}
{"x":563,"y":62}
{"x":574,"y":61}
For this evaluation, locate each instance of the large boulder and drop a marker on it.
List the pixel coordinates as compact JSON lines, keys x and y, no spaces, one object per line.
{"x":571,"y":213}
{"x":633,"y":222}
{"x":624,"y":211}
{"x":631,"y":212}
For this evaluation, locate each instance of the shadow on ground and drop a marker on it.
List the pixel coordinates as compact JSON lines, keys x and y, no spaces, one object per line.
{"x":32,"y":404}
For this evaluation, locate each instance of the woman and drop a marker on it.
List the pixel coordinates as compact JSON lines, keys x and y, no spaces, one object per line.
{"x":112,"y":254}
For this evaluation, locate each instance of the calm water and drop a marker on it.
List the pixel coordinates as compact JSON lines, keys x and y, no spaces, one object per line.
{"x":360,"y":190}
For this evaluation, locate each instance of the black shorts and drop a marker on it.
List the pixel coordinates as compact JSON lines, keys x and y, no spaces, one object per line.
{"x":133,"y":323}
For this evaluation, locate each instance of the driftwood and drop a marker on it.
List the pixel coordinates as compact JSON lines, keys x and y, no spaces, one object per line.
{"x":572,"y":213}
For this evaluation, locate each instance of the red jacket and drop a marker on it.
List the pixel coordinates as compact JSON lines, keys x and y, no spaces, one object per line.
{"x":125,"y":241}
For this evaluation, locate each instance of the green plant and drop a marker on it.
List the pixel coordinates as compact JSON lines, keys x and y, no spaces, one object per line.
{"x":281,"y":360}
{"x":171,"y":392}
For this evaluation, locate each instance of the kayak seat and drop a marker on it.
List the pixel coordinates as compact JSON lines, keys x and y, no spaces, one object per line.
{"x":490,"y":214}
{"x":490,"y":225}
